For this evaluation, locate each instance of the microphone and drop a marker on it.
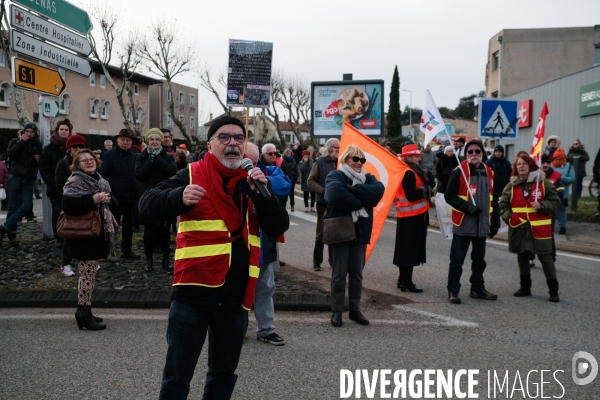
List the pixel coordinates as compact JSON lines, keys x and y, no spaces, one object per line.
{"x":248,"y":165}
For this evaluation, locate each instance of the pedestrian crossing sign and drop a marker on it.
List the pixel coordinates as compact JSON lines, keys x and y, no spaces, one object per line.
{"x":498,"y":119}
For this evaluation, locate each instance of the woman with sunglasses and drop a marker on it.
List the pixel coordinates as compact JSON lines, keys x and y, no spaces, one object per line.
{"x":526,"y":205}
{"x":62,"y":172}
{"x":84,"y":191}
{"x":350,"y":191}
{"x":412,"y":206}
{"x":51,"y":155}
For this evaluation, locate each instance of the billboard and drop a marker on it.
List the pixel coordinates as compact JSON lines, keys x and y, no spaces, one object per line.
{"x":249,"y":73}
{"x":589,"y":99}
{"x":359,"y":103}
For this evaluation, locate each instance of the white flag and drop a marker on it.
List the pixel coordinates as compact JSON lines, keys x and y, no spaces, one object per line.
{"x":431,"y":120}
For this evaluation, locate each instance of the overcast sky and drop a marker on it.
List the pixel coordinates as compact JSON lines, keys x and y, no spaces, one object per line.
{"x":440,"y":45}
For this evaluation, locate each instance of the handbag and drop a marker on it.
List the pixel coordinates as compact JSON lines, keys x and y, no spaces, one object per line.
{"x":2,"y":193}
{"x":84,"y":226}
{"x":337,"y":230}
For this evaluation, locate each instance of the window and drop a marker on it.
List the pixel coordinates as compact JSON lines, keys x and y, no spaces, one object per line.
{"x":2,"y":63}
{"x":63,"y":103}
{"x":104,"y":133}
{"x":495,"y":95}
{"x":192,"y":123}
{"x":181,"y":118}
{"x":168,"y":95}
{"x":5,"y":92}
{"x":105,"y":109}
{"x":181,"y":98}
{"x":192,"y":100}
{"x":127,"y":87}
{"x":139,"y":115}
{"x":129,"y":116}
{"x":136,"y":89}
{"x":596,"y":56}
{"x":495,"y":60}
{"x":61,"y":72}
{"x":169,"y":120}
{"x":94,"y":108}
{"x":93,"y":131}
{"x":92,"y":79}
{"x":103,"y":81}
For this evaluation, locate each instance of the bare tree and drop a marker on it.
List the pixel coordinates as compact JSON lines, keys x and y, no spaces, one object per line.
{"x":277,"y":88}
{"x":20,"y":105}
{"x":164,"y":55}
{"x":206,"y":83}
{"x":128,"y":58}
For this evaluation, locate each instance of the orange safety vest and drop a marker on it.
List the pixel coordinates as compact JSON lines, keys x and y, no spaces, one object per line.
{"x":457,"y":215}
{"x":203,"y":254}
{"x":404,"y":207}
{"x":522,"y":212}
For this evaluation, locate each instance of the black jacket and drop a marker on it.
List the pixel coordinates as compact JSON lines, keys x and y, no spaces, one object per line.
{"x":118,"y":168}
{"x":444,"y":168}
{"x":165,"y":201}
{"x":150,"y":171}
{"x":289,"y":168}
{"x":502,"y":170}
{"x":62,"y":173}
{"x":51,"y":155}
{"x":21,"y":155}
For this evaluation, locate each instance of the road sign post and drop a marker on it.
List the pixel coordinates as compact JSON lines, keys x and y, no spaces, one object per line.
{"x":37,"y":78}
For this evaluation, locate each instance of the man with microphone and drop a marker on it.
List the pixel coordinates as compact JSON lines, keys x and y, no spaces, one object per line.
{"x":217,"y":258}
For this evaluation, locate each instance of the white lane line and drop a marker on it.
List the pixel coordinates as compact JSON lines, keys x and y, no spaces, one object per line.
{"x":304,"y":216}
{"x":293,"y":223}
{"x":448,"y":321}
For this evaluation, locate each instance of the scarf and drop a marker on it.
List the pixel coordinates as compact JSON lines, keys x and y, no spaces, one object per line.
{"x":59,"y":142}
{"x":154,"y":152}
{"x":356,"y":178}
{"x":418,"y":170}
{"x":80,"y":184}
{"x":226,"y":207}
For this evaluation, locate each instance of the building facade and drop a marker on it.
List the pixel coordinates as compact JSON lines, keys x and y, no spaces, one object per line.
{"x":186,"y":108}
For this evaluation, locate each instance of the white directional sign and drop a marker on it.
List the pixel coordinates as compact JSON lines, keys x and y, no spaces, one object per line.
{"x":43,"y":51}
{"x":51,"y":108}
{"x":28,"y":22}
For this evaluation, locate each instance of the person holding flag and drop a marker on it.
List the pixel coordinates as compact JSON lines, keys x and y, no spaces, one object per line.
{"x":412,"y":205}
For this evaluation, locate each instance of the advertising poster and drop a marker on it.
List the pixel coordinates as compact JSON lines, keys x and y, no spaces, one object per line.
{"x":359,"y":103}
{"x":249,"y":73}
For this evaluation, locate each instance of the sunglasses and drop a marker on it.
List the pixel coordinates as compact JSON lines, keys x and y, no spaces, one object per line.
{"x":78,"y":146}
{"x":272,"y":153}
{"x":357,"y":159}
{"x":474,"y":151}
{"x":87,"y":161}
{"x":225,"y":138}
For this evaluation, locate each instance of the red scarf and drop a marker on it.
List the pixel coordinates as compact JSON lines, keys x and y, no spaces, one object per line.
{"x":59,"y":142}
{"x":226,"y":208}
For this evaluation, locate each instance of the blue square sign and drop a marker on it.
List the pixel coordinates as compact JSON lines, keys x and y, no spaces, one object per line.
{"x":498,"y":119}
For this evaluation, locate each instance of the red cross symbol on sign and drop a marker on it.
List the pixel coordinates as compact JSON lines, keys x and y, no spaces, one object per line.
{"x":19,"y":18}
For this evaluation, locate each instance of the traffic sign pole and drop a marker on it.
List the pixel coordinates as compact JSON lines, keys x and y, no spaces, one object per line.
{"x":47,"y":231}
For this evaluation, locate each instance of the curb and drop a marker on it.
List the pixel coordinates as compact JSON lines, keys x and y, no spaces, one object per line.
{"x":284,"y":301}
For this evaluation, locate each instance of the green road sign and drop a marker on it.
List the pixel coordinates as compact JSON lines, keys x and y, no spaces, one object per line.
{"x":589,"y":99}
{"x":62,"y":12}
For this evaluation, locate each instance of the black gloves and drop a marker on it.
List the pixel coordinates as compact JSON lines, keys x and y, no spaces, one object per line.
{"x":493,"y":231}
{"x":426,"y":191}
{"x":474,"y":210}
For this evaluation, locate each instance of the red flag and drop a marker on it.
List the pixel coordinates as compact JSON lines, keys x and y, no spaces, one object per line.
{"x":538,"y":139}
{"x":384,"y":166}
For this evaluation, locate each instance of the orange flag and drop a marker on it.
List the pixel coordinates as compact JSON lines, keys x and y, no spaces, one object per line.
{"x":384,"y":166}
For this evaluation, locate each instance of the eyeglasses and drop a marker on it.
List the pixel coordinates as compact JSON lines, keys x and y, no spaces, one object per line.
{"x":88,"y":161}
{"x":225,"y":138}
{"x":476,"y":151}
{"x":272,"y":153}
{"x":78,"y":146}
{"x":357,"y":159}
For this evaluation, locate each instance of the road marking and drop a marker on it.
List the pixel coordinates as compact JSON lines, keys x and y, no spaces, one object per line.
{"x":448,"y":321}
{"x":304,"y":216}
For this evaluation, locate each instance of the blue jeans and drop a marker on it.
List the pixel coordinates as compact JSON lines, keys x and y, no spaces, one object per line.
{"x":348,"y":260}
{"x":20,"y":201}
{"x":264,"y":309}
{"x":56,"y":203}
{"x":458,"y":253}
{"x":562,"y":216}
{"x":186,"y":333}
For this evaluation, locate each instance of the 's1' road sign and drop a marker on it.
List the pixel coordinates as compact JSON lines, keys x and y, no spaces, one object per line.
{"x":37,"y":78}
{"x":498,"y":119}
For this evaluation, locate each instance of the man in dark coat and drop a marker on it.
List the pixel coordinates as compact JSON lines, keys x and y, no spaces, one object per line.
{"x":118,"y":168}
{"x":502,"y":169}
{"x":297,"y":150}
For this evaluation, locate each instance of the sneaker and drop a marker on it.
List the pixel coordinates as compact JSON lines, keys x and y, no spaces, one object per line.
{"x":453,"y":298}
{"x":292,"y":209}
{"x":305,"y":209}
{"x":312,"y":209}
{"x":483,"y":294}
{"x":316,"y":267}
{"x":273,"y":339}
{"x":66,"y":270}
{"x":562,"y":231}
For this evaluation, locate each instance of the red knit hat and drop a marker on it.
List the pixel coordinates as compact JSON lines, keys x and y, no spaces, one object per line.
{"x":559,"y":153}
{"x":305,"y":153}
{"x":410,"y":150}
{"x":74,"y":140}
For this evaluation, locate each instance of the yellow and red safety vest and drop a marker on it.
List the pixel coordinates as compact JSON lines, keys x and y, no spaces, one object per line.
{"x":404,"y":207}
{"x":522,"y":212}
{"x":203,"y":254}
{"x":457,"y":215}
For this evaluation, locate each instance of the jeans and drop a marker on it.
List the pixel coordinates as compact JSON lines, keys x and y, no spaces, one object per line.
{"x":562,"y":216}
{"x":186,"y":333}
{"x":126,"y":211}
{"x":56,"y":203}
{"x":264,"y":309}
{"x":20,"y":201}
{"x":312,"y":199}
{"x":292,"y":198}
{"x":458,"y":253}
{"x":348,"y":260}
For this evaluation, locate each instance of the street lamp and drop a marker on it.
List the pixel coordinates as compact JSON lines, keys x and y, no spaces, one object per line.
{"x":410,"y":109}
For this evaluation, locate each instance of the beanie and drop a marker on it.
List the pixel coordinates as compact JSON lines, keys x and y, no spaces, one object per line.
{"x":75,"y":140}
{"x":154,"y":131}
{"x":499,"y":148}
{"x":305,"y":153}
{"x":32,"y":126}
{"x":224,"y":120}
{"x":545,"y":158}
{"x":559,"y":158}
{"x":474,"y":142}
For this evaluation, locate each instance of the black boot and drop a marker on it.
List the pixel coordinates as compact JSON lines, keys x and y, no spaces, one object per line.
{"x":149,"y":263}
{"x":405,"y":281}
{"x":84,"y":318}
{"x":148,"y":249}
{"x":336,"y":318}
{"x":358,"y":317}
{"x":553,"y":289}
{"x":525,"y":289}
{"x":165,"y":263}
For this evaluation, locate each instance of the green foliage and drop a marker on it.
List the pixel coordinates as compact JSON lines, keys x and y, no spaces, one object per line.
{"x":445,"y":112}
{"x":394,"y":123}
{"x":398,"y":142}
{"x":466,"y":107}
{"x":416,"y":115}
